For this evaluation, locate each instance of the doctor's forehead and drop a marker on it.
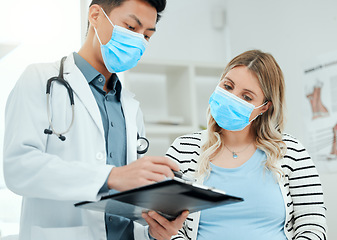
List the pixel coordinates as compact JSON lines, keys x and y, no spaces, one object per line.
{"x":136,"y":9}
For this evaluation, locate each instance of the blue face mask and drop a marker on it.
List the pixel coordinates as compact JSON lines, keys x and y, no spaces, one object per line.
{"x":229,"y":111}
{"x":124,"y":49}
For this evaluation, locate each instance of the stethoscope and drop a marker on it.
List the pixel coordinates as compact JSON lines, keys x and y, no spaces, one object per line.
{"x":61,"y":80}
{"x":142,"y":143}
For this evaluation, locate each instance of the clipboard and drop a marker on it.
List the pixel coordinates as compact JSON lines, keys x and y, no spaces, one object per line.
{"x":169,"y":198}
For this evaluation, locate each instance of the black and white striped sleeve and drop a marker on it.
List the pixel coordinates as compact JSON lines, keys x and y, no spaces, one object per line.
{"x":185,"y":151}
{"x":305,"y":189}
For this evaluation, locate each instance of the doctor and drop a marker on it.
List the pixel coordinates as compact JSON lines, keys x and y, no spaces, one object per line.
{"x":100,"y":152}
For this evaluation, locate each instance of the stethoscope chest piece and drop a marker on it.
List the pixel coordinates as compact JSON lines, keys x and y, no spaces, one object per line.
{"x":142,"y":145}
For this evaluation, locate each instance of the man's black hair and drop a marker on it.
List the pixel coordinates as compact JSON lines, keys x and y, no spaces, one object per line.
{"x":108,"y":5}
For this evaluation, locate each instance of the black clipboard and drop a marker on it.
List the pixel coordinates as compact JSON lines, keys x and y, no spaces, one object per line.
{"x":169,"y":198}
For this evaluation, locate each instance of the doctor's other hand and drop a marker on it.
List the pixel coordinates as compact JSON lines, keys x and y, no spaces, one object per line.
{"x":162,"y":229}
{"x":143,"y":171}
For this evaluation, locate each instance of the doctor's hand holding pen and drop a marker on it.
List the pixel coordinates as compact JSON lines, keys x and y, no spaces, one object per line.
{"x":144,"y":171}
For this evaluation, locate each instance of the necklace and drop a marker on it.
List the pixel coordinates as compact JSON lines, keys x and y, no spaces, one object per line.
{"x":235,"y":153}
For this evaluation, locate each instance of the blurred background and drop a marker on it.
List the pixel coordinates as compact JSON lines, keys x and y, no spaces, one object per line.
{"x":182,"y":65}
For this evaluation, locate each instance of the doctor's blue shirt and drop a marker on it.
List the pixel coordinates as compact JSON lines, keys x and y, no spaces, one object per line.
{"x":115,"y":135}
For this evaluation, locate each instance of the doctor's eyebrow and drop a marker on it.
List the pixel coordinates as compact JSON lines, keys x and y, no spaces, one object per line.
{"x":140,"y":23}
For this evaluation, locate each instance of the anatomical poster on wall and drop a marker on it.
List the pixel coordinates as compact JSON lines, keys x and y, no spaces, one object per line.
{"x":320,"y":110}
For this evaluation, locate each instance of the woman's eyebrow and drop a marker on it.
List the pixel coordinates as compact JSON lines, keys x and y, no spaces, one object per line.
{"x":228,"y":79}
{"x":245,"y":89}
{"x":250,"y":91}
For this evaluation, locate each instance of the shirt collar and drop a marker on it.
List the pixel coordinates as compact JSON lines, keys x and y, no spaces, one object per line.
{"x":88,"y":71}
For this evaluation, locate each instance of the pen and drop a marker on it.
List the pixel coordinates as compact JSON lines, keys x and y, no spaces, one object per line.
{"x":181,"y":176}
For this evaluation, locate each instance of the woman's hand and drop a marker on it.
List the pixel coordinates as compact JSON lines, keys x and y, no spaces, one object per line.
{"x":162,"y":229}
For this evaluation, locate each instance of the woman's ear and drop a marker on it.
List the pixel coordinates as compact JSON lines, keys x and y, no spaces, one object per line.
{"x":94,"y":12}
{"x":266,"y":107}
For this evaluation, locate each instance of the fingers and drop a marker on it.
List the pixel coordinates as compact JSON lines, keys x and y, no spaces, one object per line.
{"x":160,"y":165}
{"x":171,"y":227}
{"x":154,"y":227}
{"x":160,"y":227}
{"x":141,"y":172}
{"x":162,"y":170}
{"x":155,"y":177}
{"x":165,"y":161}
{"x":181,"y":218}
{"x":160,"y":219}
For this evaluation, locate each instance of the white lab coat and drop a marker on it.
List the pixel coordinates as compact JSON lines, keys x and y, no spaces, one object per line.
{"x":52,"y":175}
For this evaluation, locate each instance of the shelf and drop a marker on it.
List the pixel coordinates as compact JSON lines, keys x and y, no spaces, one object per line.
{"x":160,"y":129}
{"x":158,"y":68}
{"x":179,"y":90}
{"x":215,"y":71}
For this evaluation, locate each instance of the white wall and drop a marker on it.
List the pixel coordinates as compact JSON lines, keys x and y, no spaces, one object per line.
{"x":186,"y":32}
{"x":293,"y":31}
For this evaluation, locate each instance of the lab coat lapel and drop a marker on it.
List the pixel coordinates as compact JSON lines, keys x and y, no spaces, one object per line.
{"x":82,"y":90}
{"x":130,"y":107}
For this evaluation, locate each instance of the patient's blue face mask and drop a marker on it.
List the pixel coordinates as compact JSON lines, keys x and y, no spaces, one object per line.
{"x":124,"y":49}
{"x":229,"y":111}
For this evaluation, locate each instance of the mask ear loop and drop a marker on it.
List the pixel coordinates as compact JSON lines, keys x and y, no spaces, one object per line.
{"x":98,"y":36}
{"x":262,"y":104}
{"x":258,"y":114}
{"x":255,"y":118}
{"x":113,"y":25}
{"x":108,"y":17}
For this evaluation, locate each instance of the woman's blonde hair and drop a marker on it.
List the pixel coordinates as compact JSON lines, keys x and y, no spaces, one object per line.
{"x":269,"y":126}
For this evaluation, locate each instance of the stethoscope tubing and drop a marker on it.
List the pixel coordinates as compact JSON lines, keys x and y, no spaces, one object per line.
{"x":60,"y":79}
{"x":50,"y":122}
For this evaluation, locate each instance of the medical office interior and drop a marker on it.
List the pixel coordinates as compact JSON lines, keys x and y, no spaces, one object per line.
{"x":182,"y":65}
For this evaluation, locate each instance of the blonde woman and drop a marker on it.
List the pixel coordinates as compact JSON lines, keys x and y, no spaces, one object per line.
{"x":245,"y":153}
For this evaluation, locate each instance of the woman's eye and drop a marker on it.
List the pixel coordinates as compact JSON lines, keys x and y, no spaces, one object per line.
{"x":245,"y":97}
{"x":147,"y":37}
{"x":228,"y":87}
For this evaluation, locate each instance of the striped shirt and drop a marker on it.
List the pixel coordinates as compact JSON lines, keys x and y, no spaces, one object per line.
{"x":300,"y":186}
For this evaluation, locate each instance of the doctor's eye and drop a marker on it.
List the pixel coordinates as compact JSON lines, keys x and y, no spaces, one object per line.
{"x":147,"y":37}
{"x":130,"y":27}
